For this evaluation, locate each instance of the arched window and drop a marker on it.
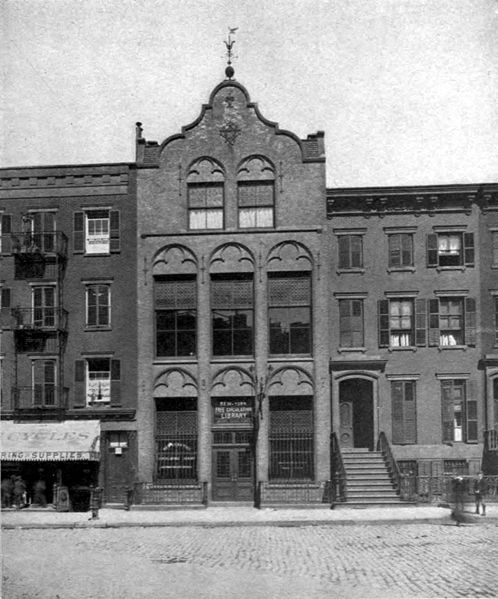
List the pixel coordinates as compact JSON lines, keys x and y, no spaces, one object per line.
{"x":205,"y":187}
{"x":256,"y":193}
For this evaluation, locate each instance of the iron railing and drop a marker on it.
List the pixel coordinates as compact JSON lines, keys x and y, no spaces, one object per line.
{"x":170,"y":494}
{"x":43,"y":242}
{"x":291,"y":455}
{"x":40,"y":397}
{"x":384,"y":447}
{"x":338,"y":476}
{"x":441,"y":489}
{"x":41,"y":318}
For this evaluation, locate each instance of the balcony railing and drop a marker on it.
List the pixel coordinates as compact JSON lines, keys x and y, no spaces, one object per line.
{"x":42,"y":396}
{"x":42,"y":319}
{"x":44,"y":242}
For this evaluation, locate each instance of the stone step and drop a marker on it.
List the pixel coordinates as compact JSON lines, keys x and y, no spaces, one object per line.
{"x":369,"y":486}
{"x":371,"y":496}
{"x":370,"y":471}
{"x":362,"y":454}
{"x":387,"y":503}
{"x":370,"y":463}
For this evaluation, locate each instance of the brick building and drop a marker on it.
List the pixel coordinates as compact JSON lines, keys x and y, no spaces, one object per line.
{"x":222,"y":327}
{"x":68,"y":351}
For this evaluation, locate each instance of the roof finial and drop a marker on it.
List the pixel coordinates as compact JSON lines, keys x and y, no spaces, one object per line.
{"x":229,"y":42}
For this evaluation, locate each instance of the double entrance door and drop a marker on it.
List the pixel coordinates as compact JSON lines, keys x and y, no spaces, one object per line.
{"x":233,"y":466}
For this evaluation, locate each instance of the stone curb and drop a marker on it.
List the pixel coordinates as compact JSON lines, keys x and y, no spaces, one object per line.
{"x":444,"y":521}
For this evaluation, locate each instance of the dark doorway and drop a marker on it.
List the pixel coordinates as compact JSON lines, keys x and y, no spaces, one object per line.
{"x":233,"y":466}
{"x":356,"y":413}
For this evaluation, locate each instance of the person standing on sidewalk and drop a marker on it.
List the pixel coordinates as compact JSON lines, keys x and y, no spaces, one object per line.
{"x":480,"y":491}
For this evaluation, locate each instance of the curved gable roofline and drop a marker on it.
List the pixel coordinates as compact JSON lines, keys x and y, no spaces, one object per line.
{"x":254,"y":105}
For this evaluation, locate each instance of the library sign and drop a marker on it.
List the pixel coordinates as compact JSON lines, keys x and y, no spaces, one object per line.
{"x":233,"y":411}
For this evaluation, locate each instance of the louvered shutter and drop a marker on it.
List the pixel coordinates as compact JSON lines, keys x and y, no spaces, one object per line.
{"x":383,"y":322}
{"x":447,"y":410}
{"x":432,"y":250}
{"x":433,"y":322}
{"x":470,"y":321}
{"x":420,"y":322}
{"x":397,"y":412}
{"x":410,"y":413}
{"x":79,"y":232}
{"x":469,"y":252}
{"x":471,"y":419}
{"x":115,"y":383}
{"x":79,"y":383}
{"x":5,"y":241}
{"x":114,"y":229}
{"x":343,"y":243}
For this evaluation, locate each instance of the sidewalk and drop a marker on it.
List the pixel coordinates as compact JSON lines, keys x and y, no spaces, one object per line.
{"x":236,"y":516}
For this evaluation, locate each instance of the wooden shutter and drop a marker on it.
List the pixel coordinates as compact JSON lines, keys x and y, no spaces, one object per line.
{"x":447,"y":410}
{"x":343,"y":242}
{"x":79,"y":383}
{"x":79,"y":232}
{"x":471,"y":420}
{"x":410,"y":412}
{"x":432,"y":250}
{"x":5,"y":241}
{"x":114,"y":227}
{"x":6,"y":224}
{"x":468,"y":245}
{"x":470,"y":321}
{"x":115,"y":382}
{"x":420,"y":322}
{"x":397,"y":411}
{"x":395,"y":258}
{"x":433,"y":322}
{"x":5,"y":298}
{"x":383,"y":322}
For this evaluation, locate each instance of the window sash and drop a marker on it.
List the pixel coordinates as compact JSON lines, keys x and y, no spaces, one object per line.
{"x":98,"y":306}
{"x":400,"y":250}
{"x":351,"y":323}
{"x":97,"y":223}
{"x":350,"y":251}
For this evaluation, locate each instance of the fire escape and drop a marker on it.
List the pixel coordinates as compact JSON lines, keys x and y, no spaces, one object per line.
{"x":40,"y":329}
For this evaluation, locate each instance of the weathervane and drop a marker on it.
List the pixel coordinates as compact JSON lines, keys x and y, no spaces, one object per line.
{"x":229,"y":42}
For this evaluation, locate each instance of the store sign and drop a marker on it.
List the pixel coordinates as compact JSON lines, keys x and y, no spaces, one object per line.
{"x":54,"y":441}
{"x":97,"y":244}
{"x":233,"y":411}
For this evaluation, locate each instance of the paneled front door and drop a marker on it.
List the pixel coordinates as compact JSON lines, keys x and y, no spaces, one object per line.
{"x":233,"y":474}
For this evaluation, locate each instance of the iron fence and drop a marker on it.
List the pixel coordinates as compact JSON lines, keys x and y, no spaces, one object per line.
{"x":441,"y":489}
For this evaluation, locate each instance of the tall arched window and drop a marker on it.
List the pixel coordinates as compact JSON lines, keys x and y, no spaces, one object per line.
{"x":256,"y":193}
{"x":205,"y":187}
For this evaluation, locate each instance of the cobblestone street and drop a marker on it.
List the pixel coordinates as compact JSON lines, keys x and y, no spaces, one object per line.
{"x":421,"y":560}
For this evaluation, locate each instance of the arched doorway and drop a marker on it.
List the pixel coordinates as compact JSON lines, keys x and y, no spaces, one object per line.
{"x":356,"y":415}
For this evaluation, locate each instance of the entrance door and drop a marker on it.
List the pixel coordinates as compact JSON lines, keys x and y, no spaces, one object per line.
{"x":233,"y":474}
{"x":356,"y":422}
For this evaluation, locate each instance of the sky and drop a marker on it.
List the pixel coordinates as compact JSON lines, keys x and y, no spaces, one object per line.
{"x":406,"y":91}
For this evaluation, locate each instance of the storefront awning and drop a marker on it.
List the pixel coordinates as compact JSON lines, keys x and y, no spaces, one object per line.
{"x":54,"y":441}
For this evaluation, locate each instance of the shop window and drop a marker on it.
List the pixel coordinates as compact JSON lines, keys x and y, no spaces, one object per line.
{"x":98,"y":306}
{"x":205,"y":205}
{"x":232,"y":304}
{"x":351,"y":323}
{"x":452,"y":321}
{"x":256,"y":204}
{"x":459,"y":411}
{"x":291,"y":438}
{"x":400,"y":250}
{"x":176,"y":440}
{"x":176,"y":316}
{"x":404,"y":413}
{"x":448,"y":249}
{"x":289,"y":311}
{"x":350,"y":251}
{"x":96,"y":231}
